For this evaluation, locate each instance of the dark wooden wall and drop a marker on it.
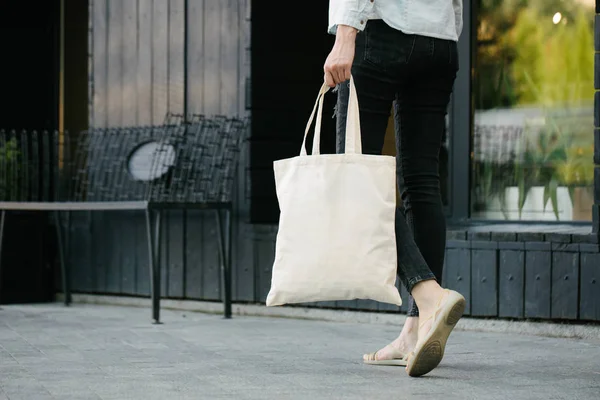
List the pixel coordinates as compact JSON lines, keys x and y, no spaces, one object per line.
{"x":143,"y":64}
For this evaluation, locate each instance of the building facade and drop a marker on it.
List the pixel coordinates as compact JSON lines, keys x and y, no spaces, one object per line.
{"x":520,"y":165}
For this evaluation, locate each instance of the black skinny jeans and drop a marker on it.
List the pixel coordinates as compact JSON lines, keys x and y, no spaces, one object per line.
{"x":417,"y":72}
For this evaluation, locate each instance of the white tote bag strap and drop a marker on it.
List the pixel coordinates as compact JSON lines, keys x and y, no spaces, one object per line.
{"x":353,"y":135}
{"x":317,"y":137}
{"x":353,"y":138}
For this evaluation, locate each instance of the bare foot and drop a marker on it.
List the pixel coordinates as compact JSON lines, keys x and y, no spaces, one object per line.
{"x":427,"y":315}
{"x":436,"y":326}
{"x":403,"y":345}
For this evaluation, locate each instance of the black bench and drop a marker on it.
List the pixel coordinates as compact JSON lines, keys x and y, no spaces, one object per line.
{"x":183,"y":164}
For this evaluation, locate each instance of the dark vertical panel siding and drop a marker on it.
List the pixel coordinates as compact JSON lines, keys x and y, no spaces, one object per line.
{"x":511,"y":283}
{"x":176,"y":257}
{"x":176,"y":53}
{"x":99,"y":20}
{"x":538,"y":266}
{"x":142,"y":257}
{"x":195,"y":59}
{"x":130,"y":62}
{"x":160,"y":60}
{"x":115,"y":57}
{"x":137,"y":75}
{"x":128,"y":252}
{"x":113,"y":265}
{"x":144,"y":62}
{"x":590,"y":287}
{"x":229,"y":57}
{"x":193,"y":255}
{"x":211,"y":53}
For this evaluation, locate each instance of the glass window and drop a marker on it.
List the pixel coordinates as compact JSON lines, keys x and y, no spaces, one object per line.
{"x":533,"y":93}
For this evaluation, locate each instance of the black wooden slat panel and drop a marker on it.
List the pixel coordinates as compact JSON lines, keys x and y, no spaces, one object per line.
{"x":129,"y":56}
{"x":263,"y":154}
{"x":589,"y":306}
{"x":346,"y":304}
{"x":326,"y":304}
{"x":194,"y":252}
{"x":391,"y":307}
{"x":112,"y":269}
{"x":565,"y":285}
{"x":176,"y":50}
{"x":244,"y":265}
{"x":230,"y":53}
{"x":101,"y":252}
{"x":142,"y":261}
{"x":160,"y":60}
{"x":263,"y":182}
{"x":80,"y":250}
{"x":144,"y":62}
{"x":195,"y":66}
{"x":484,"y":284}
{"x":115,"y":64}
{"x":405,"y":296}
{"x":244,"y":55}
{"x":128,"y":252}
{"x":265,"y":210}
{"x":211,"y":54}
{"x":164,"y":251}
{"x":176,"y":261}
{"x":211,"y":266}
{"x":100,"y":58}
{"x":511,"y":283}
{"x":537,"y":284}
{"x":459,"y":273}
{"x":368,"y":305}
{"x":265,"y":255}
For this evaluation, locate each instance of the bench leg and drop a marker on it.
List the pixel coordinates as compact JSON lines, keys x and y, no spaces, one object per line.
{"x":63,"y":262}
{"x":154,"y":247}
{"x":2,"y":219}
{"x":225,"y":252}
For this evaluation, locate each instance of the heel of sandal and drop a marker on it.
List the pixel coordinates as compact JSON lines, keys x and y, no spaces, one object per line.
{"x":456,"y":313}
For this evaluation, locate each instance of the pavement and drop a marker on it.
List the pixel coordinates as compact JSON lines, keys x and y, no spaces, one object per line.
{"x":111,"y":352}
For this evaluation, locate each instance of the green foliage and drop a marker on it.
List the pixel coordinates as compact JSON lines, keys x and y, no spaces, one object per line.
{"x":518,"y":37}
{"x":543,"y":151}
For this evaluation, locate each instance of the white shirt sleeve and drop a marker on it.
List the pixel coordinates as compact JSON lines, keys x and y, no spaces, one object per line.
{"x":347,"y":12}
{"x":458,"y":16}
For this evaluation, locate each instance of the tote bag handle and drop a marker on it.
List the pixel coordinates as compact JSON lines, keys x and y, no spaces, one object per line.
{"x":353,"y":135}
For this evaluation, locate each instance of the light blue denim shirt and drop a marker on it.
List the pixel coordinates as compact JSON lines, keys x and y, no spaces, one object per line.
{"x":434,"y":18}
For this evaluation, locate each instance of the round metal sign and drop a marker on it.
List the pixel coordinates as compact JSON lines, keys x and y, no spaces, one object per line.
{"x":151,"y":160}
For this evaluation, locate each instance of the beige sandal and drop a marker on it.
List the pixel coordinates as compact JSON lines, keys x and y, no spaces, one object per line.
{"x":430,"y":349}
{"x":398,"y":359}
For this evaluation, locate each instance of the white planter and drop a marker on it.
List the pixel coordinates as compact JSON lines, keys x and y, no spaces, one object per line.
{"x":534,"y":208}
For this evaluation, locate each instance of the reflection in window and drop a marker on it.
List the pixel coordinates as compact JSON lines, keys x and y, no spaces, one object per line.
{"x":533,"y":98}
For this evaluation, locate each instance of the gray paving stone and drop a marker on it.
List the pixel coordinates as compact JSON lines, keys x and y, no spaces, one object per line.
{"x":97,"y":352}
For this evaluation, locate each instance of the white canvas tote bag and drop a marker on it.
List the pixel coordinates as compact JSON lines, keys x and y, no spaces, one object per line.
{"x":336,"y":238}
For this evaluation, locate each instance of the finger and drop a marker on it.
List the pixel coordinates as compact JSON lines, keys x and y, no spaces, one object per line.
{"x":329,"y":79}
{"x":347,"y":73}
{"x":339,"y":76}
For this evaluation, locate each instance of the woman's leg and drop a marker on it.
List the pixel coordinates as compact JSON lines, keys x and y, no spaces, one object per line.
{"x":420,"y":110}
{"x":421,"y":107}
{"x":376,"y":90}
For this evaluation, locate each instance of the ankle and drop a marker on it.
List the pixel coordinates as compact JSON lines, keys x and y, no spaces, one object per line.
{"x":426,"y":295}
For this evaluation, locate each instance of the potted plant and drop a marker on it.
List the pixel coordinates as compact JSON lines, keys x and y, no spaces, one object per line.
{"x":576,"y":172}
{"x":536,"y":174}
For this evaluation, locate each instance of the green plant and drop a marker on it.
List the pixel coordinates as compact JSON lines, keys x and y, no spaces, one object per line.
{"x":577,"y":169}
{"x":543,"y":152}
{"x":492,"y":180}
